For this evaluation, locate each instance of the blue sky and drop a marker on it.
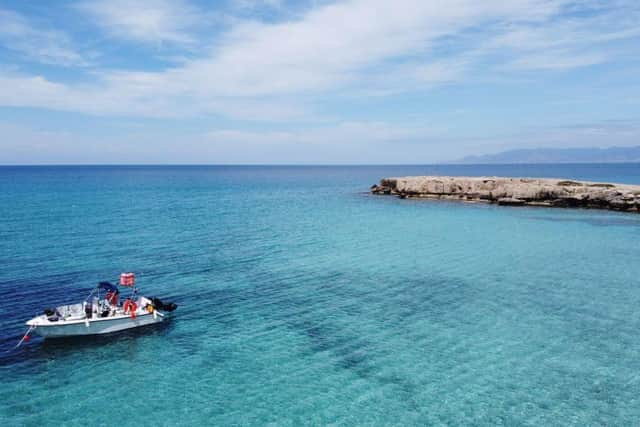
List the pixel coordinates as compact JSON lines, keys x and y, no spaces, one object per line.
{"x":274,"y":81}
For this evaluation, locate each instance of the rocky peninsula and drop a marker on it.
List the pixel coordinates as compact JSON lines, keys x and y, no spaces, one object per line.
{"x":515,"y":191}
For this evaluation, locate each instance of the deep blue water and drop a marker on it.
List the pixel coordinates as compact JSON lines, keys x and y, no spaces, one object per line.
{"x":304,"y":300}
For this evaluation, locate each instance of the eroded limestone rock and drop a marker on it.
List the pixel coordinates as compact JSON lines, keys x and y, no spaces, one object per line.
{"x":515,"y":191}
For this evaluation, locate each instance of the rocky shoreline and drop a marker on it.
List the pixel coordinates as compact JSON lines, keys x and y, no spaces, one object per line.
{"x":515,"y":191}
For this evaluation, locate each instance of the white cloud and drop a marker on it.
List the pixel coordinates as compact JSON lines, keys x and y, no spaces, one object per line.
{"x":348,"y":142}
{"x":43,"y":45}
{"x":139,"y":94}
{"x":366,"y":47}
{"x":345,"y":142}
{"x":557,"y":60}
{"x":256,"y":4}
{"x":363,"y":142}
{"x":372,"y":132}
{"x":151,"y":21}
{"x":564,"y":44}
{"x":332,"y":44}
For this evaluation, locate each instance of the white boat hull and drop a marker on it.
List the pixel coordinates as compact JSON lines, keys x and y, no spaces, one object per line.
{"x":95,"y":326}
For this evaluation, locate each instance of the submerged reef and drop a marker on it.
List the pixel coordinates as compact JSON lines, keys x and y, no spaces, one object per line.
{"x":515,"y":191}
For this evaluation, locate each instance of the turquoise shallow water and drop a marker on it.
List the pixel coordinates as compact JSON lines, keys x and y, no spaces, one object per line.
{"x":303,"y":300}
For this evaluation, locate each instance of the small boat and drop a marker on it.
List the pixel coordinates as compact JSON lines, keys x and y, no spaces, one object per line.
{"x":102,"y":312}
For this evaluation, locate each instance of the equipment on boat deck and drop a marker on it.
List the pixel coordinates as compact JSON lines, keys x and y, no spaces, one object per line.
{"x":101,"y":313}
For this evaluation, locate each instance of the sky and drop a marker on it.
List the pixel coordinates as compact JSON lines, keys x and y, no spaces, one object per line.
{"x":313,"y":82}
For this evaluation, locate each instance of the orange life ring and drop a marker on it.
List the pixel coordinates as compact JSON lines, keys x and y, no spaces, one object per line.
{"x":130,"y":306}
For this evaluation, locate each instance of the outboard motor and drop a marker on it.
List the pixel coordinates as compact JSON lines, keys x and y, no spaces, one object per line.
{"x":158,"y":304}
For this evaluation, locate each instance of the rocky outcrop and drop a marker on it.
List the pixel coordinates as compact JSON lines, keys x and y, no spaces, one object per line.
{"x":515,"y":191}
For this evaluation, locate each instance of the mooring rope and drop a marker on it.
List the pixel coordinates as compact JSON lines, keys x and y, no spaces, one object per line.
{"x":24,"y":337}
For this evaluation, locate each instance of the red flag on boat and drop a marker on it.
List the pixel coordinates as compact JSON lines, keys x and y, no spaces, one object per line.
{"x":127,"y":279}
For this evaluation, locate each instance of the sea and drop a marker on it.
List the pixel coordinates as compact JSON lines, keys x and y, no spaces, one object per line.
{"x":304,"y":300}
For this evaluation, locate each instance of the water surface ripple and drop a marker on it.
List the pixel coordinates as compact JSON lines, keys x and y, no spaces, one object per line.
{"x":303,"y":300}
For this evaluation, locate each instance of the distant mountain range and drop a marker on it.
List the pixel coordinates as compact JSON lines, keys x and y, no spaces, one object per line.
{"x":560,"y":155}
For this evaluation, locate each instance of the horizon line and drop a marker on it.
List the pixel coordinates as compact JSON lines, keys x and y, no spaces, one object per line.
{"x":308,"y":164}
